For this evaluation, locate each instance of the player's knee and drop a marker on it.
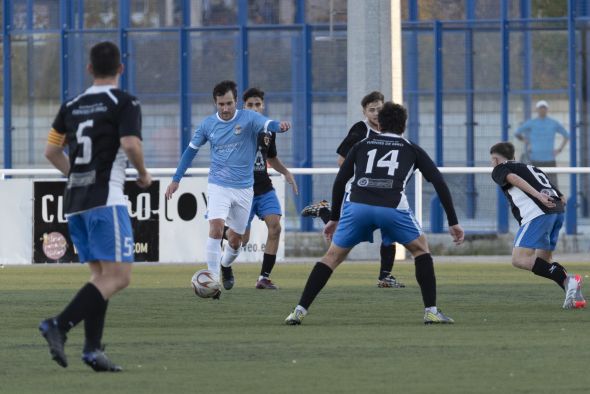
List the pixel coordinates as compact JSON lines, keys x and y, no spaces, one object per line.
{"x":235,"y":242}
{"x":519,"y":262}
{"x":123,"y":281}
{"x":274,"y":230}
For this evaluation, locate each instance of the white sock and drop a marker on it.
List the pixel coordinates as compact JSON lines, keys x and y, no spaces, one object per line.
{"x":301,"y":309}
{"x":229,"y":255}
{"x":262,"y":277}
{"x":432,"y":309}
{"x":213,"y":255}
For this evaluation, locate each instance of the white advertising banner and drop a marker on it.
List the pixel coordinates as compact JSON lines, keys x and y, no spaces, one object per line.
{"x":16,"y":226}
{"x":184,"y":229}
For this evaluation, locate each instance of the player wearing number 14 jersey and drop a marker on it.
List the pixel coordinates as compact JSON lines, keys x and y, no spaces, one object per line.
{"x":381,"y":165}
{"x":102,"y":129}
{"x":538,"y":207}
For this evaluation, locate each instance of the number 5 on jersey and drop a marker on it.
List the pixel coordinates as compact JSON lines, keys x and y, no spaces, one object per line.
{"x":85,"y":141}
{"x":389,"y":161}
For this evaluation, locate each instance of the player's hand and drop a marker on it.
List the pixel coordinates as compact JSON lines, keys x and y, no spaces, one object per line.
{"x":172,"y":187}
{"x":457,"y":233}
{"x":329,"y":230}
{"x":563,"y":200}
{"x":291,"y":181}
{"x":285,"y":126}
{"x":545,"y":200}
{"x":144,"y":180}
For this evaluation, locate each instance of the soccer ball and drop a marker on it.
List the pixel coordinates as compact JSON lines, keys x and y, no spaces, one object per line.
{"x":205,"y":284}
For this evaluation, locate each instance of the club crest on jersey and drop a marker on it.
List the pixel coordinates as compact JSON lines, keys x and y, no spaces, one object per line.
{"x":238,"y":130}
{"x":266,"y":139}
{"x":363,"y":182}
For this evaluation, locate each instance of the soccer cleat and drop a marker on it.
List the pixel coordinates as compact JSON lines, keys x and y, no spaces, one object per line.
{"x":295,"y":318}
{"x":227,"y":277}
{"x":316,"y":210}
{"x":266,"y":283}
{"x":99,"y":361}
{"x":437,"y":318}
{"x":56,"y":339}
{"x":573,"y":293}
{"x":389,"y":282}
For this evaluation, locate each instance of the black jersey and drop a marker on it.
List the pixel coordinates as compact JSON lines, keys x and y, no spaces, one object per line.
{"x":382,"y":165}
{"x":524,"y":206}
{"x":267,"y":149}
{"x":358,"y":132}
{"x":93,"y":124}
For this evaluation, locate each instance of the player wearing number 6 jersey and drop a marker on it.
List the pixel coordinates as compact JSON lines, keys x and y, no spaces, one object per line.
{"x":538,"y":207}
{"x":382,"y":165}
{"x":102,"y":129}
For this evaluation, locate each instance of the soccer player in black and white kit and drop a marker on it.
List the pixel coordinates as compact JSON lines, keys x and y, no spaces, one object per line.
{"x":368,"y":127}
{"x":382,"y":166}
{"x":265,"y":204}
{"x":538,"y":206}
{"x":102,"y":129}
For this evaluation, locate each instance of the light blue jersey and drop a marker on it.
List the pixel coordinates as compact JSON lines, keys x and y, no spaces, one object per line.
{"x":233,"y":147}
{"x":541,"y":135}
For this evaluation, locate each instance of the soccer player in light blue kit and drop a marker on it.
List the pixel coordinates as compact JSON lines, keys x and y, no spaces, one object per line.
{"x":233,"y":135}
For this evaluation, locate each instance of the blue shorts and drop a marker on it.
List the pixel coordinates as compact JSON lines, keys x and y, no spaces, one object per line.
{"x":540,"y":233}
{"x":264,"y":205}
{"x":359,"y":221}
{"x":103,"y":234}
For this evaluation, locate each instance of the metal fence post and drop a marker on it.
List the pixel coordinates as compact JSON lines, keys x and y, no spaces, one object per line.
{"x":501,"y":204}
{"x":469,"y":109}
{"x":185,"y":66}
{"x":242,"y":48}
{"x":124,"y":42}
{"x":7,"y":86}
{"x":571,"y":212}
{"x":436,"y":217}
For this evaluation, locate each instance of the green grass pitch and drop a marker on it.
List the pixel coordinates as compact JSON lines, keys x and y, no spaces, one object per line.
{"x":510,"y":336}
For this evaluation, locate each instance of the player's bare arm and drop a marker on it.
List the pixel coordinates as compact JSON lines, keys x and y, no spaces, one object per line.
{"x":55,"y":155}
{"x":133,"y":147}
{"x":54,"y":151}
{"x":523,"y":185}
{"x":278,"y":165}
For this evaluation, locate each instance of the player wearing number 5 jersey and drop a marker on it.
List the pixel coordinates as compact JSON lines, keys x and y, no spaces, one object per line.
{"x":538,"y":207}
{"x":102,"y":129}
{"x":382,"y":165}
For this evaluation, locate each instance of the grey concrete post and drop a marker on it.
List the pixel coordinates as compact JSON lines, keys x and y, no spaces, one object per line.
{"x":369,"y":52}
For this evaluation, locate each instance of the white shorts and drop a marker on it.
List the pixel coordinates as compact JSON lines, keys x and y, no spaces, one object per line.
{"x":231,"y":205}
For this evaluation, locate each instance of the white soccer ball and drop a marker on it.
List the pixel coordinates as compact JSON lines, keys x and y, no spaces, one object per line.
{"x":205,"y":284}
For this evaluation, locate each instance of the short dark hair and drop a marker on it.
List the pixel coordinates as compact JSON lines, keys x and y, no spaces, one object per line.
{"x":253,"y":92}
{"x":105,"y":59}
{"x":392,"y":117}
{"x":504,"y":149}
{"x":372,"y":97}
{"x":223,"y":87}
